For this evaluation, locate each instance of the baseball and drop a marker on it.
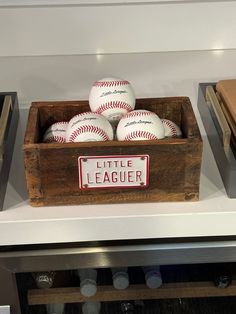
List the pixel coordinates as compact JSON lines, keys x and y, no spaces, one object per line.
{"x":140,"y":125}
{"x":89,"y":127}
{"x":56,"y":133}
{"x":112,"y":97}
{"x":171,"y":129}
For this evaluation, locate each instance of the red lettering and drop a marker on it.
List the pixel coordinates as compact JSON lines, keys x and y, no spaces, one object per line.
{"x":116,"y":163}
{"x":130,"y":176}
{"x":98,"y":177}
{"x":138,"y":176}
{"x":106,"y":177}
{"x":129,"y":163}
{"x":98,"y":165}
{"x":122,"y":176}
{"x":109,"y":163}
{"x":88,"y":179}
{"x":122,"y":164}
{"x":114,"y":177}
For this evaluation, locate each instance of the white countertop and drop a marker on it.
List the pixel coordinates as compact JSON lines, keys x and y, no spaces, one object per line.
{"x":167,"y":74}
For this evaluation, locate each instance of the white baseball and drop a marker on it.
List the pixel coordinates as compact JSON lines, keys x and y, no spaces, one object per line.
{"x":112,"y":97}
{"x":140,"y":125}
{"x":171,"y":128}
{"x":89,"y":127}
{"x":56,"y":133}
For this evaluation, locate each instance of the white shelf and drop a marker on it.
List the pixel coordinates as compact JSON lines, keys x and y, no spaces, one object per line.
{"x":119,"y":27}
{"x":22,"y":3}
{"x":158,"y":74}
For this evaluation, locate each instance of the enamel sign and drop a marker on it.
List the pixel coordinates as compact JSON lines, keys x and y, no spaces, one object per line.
{"x":125,"y":171}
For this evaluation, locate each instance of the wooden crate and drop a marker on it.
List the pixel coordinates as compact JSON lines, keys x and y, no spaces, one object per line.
{"x":52,"y":168}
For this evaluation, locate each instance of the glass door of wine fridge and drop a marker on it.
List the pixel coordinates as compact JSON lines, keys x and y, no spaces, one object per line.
{"x":117,"y":277}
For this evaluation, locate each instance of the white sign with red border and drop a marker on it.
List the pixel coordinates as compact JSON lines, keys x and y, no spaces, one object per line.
{"x":126,"y":171}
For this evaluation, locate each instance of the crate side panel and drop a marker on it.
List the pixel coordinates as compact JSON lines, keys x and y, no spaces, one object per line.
{"x":33,"y":172}
{"x":59,"y":174}
{"x":192,"y":171}
{"x":32,"y":133}
{"x":189,"y":124}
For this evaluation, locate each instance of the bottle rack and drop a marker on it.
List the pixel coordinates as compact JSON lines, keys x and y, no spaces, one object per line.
{"x":185,"y":281}
{"x":134,"y":292}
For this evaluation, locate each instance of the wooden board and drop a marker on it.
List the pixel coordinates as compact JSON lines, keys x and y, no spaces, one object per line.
{"x":227,"y":92}
{"x":230,"y":121}
{"x":4,"y":119}
{"x":134,"y":292}
{"x":52,"y":169}
{"x":228,"y":116}
{"x":10,"y":114}
{"x":218,"y":116}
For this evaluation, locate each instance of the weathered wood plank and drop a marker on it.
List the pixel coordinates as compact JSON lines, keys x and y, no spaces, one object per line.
{"x":134,"y":292}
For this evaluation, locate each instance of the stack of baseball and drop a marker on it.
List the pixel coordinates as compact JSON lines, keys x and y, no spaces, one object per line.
{"x":112,"y":116}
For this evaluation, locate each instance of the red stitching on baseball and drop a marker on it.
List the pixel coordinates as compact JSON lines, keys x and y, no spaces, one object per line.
{"x":110,"y":83}
{"x":136,"y":113}
{"x":133,"y":135}
{"x":85,"y":113}
{"x":90,"y":129}
{"x":114,"y":105}
{"x":55,"y":138}
{"x":172,"y":128}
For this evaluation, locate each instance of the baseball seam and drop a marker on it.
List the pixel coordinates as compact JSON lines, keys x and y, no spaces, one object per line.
{"x":135,"y":113}
{"x":55,"y":138}
{"x":172,"y":128}
{"x":110,"y":83}
{"x":89,"y":129}
{"x":85,"y":113}
{"x":114,"y":105}
{"x":51,"y":128}
{"x":62,"y":122}
{"x":133,"y":135}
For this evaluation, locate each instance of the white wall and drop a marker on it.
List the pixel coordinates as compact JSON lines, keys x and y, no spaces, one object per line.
{"x":124,"y":28}
{"x":151,"y":74}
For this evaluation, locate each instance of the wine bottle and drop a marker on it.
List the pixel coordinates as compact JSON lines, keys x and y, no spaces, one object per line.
{"x":127,"y":307}
{"x":44,"y":280}
{"x":153,"y":276}
{"x":120,"y":278}
{"x":91,"y":307}
{"x":222,"y":275}
{"x":88,"y":282}
{"x":55,"y":308}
